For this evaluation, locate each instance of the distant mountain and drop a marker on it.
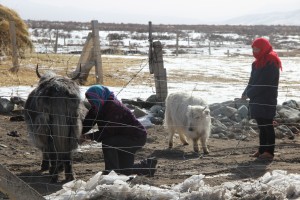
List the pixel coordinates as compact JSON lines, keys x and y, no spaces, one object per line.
{"x":274,"y":18}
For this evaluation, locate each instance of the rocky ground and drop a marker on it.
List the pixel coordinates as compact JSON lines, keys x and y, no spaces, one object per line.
{"x":228,"y":159}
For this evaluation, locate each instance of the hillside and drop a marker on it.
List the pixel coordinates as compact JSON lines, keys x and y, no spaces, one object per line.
{"x":274,"y":18}
{"x":238,"y":29}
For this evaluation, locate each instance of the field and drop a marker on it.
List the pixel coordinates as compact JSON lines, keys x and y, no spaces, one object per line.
{"x":228,"y":159}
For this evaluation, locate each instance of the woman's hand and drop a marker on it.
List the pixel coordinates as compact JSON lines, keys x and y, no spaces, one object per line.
{"x":83,"y":138}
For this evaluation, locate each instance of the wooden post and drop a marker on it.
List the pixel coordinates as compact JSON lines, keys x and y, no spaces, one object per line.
{"x":177,"y":43}
{"x":56,"y":41}
{"x":16,"y":188}
{"x":160,"y":74}
{"x":13,"y":37}
{"x":97,"y":52}
{"x":91,"y":56}
{"x":129,"y":47}
{"x":150,"y":53}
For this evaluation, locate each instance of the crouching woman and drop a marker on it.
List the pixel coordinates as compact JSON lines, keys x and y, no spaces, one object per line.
{"x":119,"y":131}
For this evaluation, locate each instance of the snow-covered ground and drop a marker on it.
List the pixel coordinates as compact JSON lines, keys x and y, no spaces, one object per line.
{"x":224,"y":79}
{"x":190,"y":41}
{"x":235,"y":71}
{"x":277,"y":184}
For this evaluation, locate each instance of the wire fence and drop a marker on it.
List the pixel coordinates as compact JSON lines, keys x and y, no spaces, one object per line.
{"x":216,"y":79}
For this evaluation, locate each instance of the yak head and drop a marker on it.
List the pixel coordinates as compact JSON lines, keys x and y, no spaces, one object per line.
{"x":197,"y":117}
{"x":50,"y":74}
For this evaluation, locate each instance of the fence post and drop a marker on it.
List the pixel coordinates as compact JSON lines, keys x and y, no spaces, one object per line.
{"x":13,"y":37}
{"x":56,"y":41}
{"x":177,"y":43}
{"x":150,"y":53}
{"x":160,"y":74}
{"x":97,"y":52}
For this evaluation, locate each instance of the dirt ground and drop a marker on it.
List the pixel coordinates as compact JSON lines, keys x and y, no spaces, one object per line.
{"x":229,"y":157}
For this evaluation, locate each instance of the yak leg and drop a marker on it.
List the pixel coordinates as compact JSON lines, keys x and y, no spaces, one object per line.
{"x":203,"y":144}
{"x":183,"y":138}
{"x":171,"y":134}
{"x":195,"y":145}
{"x":54,"y":167}
{"x":45,"y":162}
{"x":68,"y":167}
{"x":56,"y":163}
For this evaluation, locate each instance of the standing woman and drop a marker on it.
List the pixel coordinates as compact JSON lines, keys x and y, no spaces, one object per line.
{"x":262,"y":90}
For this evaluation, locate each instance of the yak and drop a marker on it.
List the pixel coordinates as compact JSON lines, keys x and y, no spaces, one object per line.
{"x":190,"y":117}
{"x":54,"y":113}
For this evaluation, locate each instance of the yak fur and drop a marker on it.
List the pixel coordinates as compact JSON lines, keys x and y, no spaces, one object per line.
{"x":189,"y":116}
{"x":54,"y":113}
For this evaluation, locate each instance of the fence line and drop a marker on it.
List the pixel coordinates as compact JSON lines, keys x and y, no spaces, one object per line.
{"x":139,"y":69}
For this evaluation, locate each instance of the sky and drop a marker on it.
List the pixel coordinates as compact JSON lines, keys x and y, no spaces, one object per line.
{"x":142,"y":11}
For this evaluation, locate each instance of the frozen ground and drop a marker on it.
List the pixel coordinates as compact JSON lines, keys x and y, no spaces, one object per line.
{"x":220,"y":78}
{"x":215,"y":78}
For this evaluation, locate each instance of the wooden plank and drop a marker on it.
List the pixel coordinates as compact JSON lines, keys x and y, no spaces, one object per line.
{"x":86,"y":51}
{"x":16,"y":188}
{"x":86,"y":60}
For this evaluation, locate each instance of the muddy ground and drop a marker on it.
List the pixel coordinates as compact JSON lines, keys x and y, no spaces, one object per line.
{"x":227,"y":156}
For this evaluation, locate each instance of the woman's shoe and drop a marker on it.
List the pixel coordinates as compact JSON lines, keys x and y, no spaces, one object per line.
{"x":266,"y":156}
{"x":255,"y":155}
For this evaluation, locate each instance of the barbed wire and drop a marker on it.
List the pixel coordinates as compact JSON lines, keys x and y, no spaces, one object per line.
{"x":172,"y":167}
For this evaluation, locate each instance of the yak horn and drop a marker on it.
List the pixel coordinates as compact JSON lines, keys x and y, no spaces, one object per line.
{"x":37,"y":71}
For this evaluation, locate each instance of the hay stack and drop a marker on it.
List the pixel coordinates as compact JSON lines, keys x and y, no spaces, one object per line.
{"x":23,"y":39}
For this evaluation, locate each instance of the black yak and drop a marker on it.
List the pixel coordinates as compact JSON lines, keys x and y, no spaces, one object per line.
{"x":54,"y":113}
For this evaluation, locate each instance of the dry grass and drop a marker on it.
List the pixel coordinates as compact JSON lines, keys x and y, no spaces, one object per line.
{"x":118,"y":71}
{"x":115,"y":69}
{"x":201,"y":77}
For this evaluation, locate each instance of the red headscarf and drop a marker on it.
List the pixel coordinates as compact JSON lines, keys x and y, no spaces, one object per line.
{"x":266,"y":53}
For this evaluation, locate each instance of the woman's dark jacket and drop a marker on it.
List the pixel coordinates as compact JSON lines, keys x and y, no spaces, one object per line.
{"x":114,"y":119}
{"x":262,"y":90}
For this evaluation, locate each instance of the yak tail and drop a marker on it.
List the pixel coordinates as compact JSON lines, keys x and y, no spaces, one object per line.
{"x":64,"y":127}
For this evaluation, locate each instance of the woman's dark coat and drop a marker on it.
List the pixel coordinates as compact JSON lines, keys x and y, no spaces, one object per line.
{"x":262,"y":90}
{"x":114,"y":119}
